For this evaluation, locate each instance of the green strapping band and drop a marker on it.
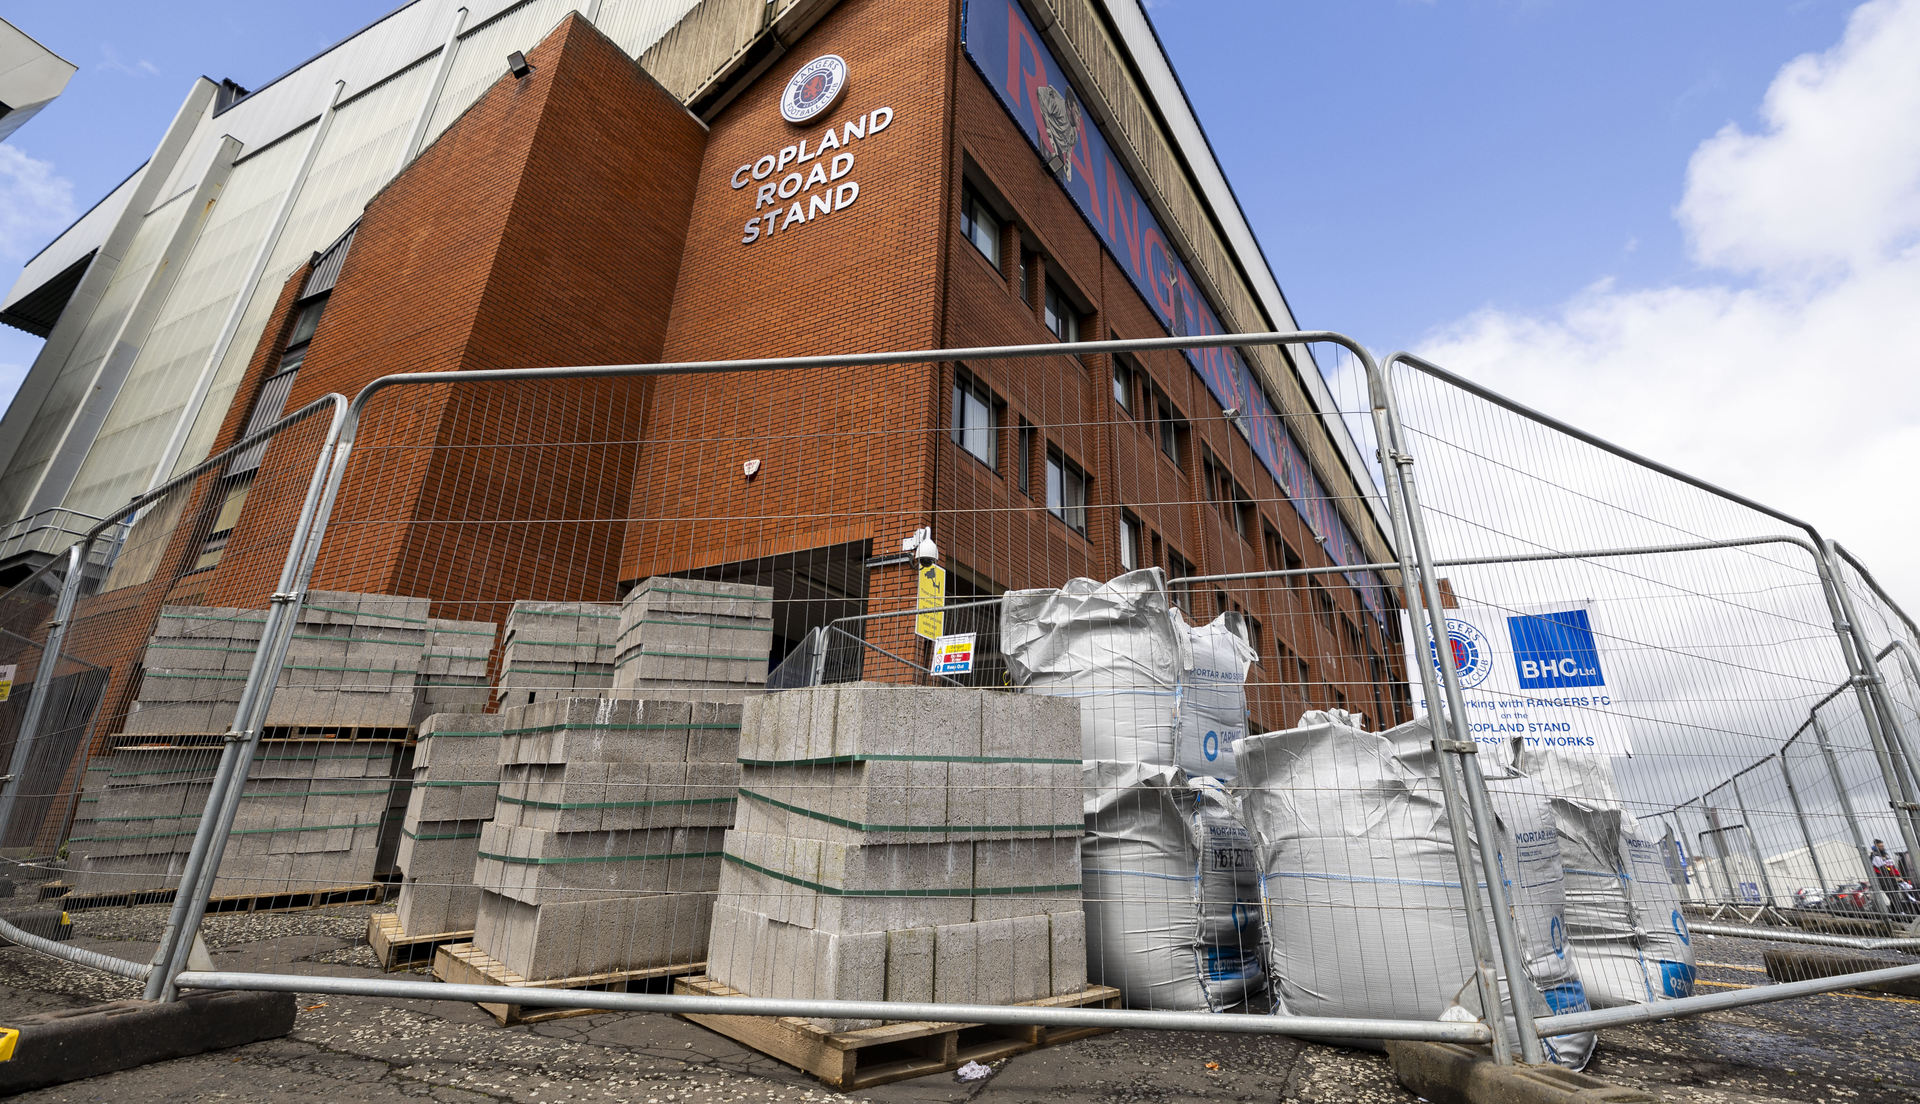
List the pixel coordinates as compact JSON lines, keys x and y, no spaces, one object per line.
{"x":730,"y":625}
{"x":463,"y":632}
{"x":530,"y":861}
{"x":301,"y":828}
{"x":446,"y":836}
{"x":130,"y":819}
{"x":495,"y":782}
{"x":511,"y":671}
{"x":625,"y":728}
{"x":207,"y":770}
{"x":530,"y":803}
{"x":198,"y":648}
{"x":834,"y":891}
{"x":919,"y":828}
{"x":249,"y":795}
{"x":560,"y":643}
{"x":204,"y":617}
{"x":123,"y":839}
{"x":364,"y":613}
{"x":708,"y":594}
{"x":437,"y":735}
{"x":420,"y":684}
{"x":194,"y":674}
{"x":844,"y":760}
{"x":697,"y":655}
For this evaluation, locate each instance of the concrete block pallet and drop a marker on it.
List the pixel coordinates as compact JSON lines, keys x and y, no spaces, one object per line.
{"x":554,"y":650}
{"x":864,"y":1057}
{"x":453,"y":668}
{"x":308,"y":819}
{"x":353,"y":660}
{"x":694,"y":637}
{"x":456,"y":780}
{"x":904,"y":843}
{"x":602,"y":854}
{"x":465,"y":964}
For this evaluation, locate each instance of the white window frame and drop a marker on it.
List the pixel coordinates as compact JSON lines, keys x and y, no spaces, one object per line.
{"x":977,"y":221}
{"x":976,"y":421}
{"x":1067,"y":491}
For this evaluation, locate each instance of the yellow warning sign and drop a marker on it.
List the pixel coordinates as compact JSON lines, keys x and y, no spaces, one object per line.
{"x":6,"y":680}
{"x":933,"y":595}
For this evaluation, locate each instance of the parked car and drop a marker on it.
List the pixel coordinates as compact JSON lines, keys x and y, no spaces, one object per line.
{"x":1809,"y":897}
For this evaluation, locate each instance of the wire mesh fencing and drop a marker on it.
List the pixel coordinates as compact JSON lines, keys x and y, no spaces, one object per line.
{"x":1048,"y":679}
{"x":114,"y":759}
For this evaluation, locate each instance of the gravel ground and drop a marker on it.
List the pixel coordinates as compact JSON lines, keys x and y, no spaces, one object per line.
{"x":1835,"y":1049}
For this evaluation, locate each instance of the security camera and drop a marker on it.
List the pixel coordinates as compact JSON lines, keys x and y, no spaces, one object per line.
{"x":926,"y":553}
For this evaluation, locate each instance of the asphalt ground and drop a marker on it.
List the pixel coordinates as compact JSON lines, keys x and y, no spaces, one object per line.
{"x":1847,"y":1048}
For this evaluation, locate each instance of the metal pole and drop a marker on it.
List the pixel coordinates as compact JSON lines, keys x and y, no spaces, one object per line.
{"x":1846,"y":800}
{"x":1907,"y":661}
{"x":1753,"y":842}
{"x":44,"y":677}
{"x":1889,"y":739}
{"x":418,"y":136}
{"x":1800,"y":815}
{"x":1725,"y":861}
{"x":236,"y":758}
{"x":1455,"y":756}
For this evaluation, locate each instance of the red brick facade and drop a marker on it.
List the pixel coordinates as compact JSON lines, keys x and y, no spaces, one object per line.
{"x":579,"y":215}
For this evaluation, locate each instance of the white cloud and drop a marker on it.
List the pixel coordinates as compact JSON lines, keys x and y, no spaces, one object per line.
{"x":111,"y":62}
{"x":35,"y":203}
{"x":1789,"y":368}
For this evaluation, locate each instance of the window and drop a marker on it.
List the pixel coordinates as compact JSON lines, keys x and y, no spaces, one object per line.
{"x":1061,"y":317}
{"x":1025,"y":297}
{"x":1322,"y":602}
{"x":1178,"y":567}
{"x":1123,"y":376}
{"x":1129,"y":542}
{"x":1023,"y":464}
{"x":980,"y":225}
{"x":1253,"y":638}
{"x":1066,"y":491}
{"x":974,"y":424}
{"x":233,"y":500}
{"x":1167,"y":423}
{"x":1227,"y":495}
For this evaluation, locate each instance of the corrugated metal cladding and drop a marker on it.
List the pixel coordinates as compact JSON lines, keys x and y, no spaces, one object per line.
{"x":387,"y":69}
{"x":326,"y":270}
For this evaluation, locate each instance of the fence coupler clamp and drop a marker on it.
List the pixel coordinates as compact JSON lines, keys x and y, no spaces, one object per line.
{"x":1903,"y":806}
{"x":235,"y":736}
{"x":1460,"y":747}
{"x":285,"y":596}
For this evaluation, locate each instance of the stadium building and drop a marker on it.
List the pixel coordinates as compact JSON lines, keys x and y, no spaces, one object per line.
{"x":528,"y":184}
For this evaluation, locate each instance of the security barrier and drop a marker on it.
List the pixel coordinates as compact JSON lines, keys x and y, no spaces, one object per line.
{"x":625,"y":678}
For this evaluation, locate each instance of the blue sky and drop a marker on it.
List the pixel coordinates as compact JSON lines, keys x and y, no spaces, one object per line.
{"x":1693,"y":225}
{"x":1403,"y":163}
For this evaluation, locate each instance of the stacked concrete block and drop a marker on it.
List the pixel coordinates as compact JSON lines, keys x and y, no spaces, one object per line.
{"x":140,"y":809}
{"x":904,"y":843}
{"x":353,"y":661}
{"x":309,"y":817}
{"x":456,"y":780}
{"x":556,"y":650}
{"x":196,"y":664}
{"x":604,"y":850}
{"x":694,"y":638}
{"x":453,"y":669}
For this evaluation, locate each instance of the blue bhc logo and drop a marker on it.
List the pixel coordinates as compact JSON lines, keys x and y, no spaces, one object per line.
{"x":1555,"y":650}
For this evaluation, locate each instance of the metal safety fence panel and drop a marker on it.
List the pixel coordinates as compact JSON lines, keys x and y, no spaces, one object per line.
{"x":693,"y":675}
{"x":1661,"y":655}
{"x":155,"y":619}
{"x":1010,"y":685}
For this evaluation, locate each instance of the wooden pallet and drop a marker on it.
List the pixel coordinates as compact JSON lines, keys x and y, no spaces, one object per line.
{"x":893,"y":1051}
{"x":397,"y":950}
{"x":370,"y":893}
{"x":466,"y":964}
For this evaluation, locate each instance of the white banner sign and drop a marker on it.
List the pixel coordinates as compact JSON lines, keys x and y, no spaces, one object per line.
{"x":1537,"y":674}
